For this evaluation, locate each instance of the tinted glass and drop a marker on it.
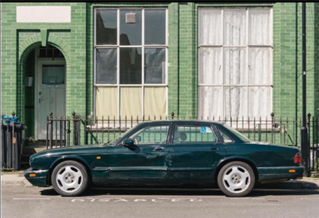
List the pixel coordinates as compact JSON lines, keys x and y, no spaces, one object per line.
{"x":106,"y":60}
{"x":151,"y":135}
{"x":238,"y":134}
{"x":155,"y":26}
{"x":224,"y":136}
{"x":106,"y":27}
{"x":194,"y":134}
{"x":154,"y":66}
{"x":130,"y":27}
{"x":130,"y":66}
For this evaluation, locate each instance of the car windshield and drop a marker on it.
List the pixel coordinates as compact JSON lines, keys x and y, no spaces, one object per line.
{"x":236,"y":133}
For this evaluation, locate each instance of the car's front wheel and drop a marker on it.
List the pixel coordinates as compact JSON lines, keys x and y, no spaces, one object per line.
{"x":236,"y":179}
{"x":69,"y":178}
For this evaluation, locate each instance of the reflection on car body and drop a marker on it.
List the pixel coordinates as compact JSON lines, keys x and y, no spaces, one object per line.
{"x":172,"y":153}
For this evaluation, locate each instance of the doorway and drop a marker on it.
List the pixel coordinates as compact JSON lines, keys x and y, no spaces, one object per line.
{"x":50,"y":92}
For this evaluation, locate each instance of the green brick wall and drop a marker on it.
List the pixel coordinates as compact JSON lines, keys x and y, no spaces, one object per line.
{"x":19,"y":39}
{"x":287,"y":79}
{"x":75,"y":40}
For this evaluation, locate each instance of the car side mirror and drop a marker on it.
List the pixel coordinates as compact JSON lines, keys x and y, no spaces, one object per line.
{"x":129,"y":143}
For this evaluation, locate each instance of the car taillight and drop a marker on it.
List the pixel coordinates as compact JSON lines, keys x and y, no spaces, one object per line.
{"x":297,"y":159}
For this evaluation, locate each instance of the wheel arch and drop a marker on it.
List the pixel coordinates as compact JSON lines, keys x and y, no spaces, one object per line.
{"x":67,"y":158}
{"x":241,"y":159}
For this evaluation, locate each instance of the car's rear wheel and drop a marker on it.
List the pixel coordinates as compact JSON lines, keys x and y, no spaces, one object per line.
{"x":69,"y":178}
{"x":236,"y":179}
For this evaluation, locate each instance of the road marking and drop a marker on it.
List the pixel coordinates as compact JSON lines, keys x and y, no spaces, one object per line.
{"x":18,"y":199}
{"x":115,"y":200}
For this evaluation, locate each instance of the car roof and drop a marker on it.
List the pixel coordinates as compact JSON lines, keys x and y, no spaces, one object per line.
{"x":184,"y":121}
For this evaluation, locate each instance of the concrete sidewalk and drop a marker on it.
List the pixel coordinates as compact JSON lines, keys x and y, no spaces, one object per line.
{"x":18,"y":179}
{"x":14,"y":179}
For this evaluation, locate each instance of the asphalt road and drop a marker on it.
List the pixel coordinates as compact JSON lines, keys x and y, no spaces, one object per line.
{"x":35,"y":202}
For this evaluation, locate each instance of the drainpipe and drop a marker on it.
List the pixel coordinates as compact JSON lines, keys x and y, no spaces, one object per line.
{"x":304,"y":138}
{"x":0,"y":95}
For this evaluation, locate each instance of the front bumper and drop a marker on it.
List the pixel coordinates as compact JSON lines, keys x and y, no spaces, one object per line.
{"x":37,"y":177}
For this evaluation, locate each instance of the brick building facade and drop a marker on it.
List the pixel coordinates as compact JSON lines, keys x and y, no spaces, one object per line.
{"x":193,"y":59}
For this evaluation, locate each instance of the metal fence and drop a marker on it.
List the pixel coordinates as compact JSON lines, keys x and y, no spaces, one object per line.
{"x":75,"y":131}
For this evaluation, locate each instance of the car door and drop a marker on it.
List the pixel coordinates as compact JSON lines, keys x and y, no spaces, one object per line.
{"x":195,"y":151}
{"x":144,"y":162}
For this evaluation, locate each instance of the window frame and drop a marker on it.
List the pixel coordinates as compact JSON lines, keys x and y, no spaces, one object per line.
{"x":247,"y":47}
{"x":118,"y":46}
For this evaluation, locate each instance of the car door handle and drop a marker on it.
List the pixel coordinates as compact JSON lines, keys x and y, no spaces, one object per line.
{"x":159,"y":149}
{"x":214,"y":149}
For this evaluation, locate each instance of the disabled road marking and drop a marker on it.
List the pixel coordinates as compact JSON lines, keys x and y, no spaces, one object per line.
{"x":27,"y":199}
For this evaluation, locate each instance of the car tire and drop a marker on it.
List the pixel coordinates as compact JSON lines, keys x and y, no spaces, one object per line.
{"x":236,"y":179}
{"x":69,"y":178}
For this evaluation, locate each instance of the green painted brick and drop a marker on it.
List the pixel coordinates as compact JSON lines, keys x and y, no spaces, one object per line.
{"x":76,"y":43}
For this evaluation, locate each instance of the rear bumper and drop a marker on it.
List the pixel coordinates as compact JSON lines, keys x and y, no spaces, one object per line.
{"x":37,"y":177}
{"x":277,"y":173}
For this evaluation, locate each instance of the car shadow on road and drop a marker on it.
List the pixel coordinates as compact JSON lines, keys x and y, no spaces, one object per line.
{"x":258,"y":191}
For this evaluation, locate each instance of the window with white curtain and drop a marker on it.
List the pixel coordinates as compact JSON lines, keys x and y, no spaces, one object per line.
{"x":130,"y":50}
{"x":235,"y":62}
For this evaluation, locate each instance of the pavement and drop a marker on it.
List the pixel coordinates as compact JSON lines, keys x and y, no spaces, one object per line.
{"x":17,"y":179}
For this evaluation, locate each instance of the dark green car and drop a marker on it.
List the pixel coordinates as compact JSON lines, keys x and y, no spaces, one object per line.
{"x":170,"y":154}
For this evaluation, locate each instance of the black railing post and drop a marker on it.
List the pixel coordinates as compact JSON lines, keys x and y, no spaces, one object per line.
{"x":64,"y":132}
{"x":61,"y":133}
{"x":272,"y":127}
{"x":86,"y":123}
{"x":308,"y":138}
{"x":68,"y":132}
{"x":76,"y":129}
{"x":9,"y":148}
{"x":13,"y":144}
{"x":317,"y":138}
{"x":56,"y":132}
{"x":51,"y":129}
{"x":47,"y":138}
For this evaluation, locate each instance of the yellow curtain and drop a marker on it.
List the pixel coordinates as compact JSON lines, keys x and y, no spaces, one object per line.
{"x":131,"y":102}
{"x":155,"y":102}
{"x":106,"y":102}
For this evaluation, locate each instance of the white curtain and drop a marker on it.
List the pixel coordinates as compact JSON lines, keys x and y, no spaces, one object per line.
{"x":106,"y":102}
{"x":231,"y":82}
{"x":235,"y":102}
{"x":210,"y":102}
{"x":260,"y":27}
{"x":234,"y":26}
{"x":131,"y":102}
{"x":235,"y":66}
{"x":155,"y":102}
{"x":210,"y":66}
{"x":210,"y":26}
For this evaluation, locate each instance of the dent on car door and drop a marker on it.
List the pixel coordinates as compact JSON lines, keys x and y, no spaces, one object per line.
{"x":194,"y":153}
{"x":143,"y":159}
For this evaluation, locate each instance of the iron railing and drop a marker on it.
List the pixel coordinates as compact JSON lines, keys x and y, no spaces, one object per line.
{"x":75,"y":131}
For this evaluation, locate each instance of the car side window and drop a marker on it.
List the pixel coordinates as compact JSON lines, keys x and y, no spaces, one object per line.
{"x":194,"y":134}
{"x":226,"y":138}
{"x":151,"y":135}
